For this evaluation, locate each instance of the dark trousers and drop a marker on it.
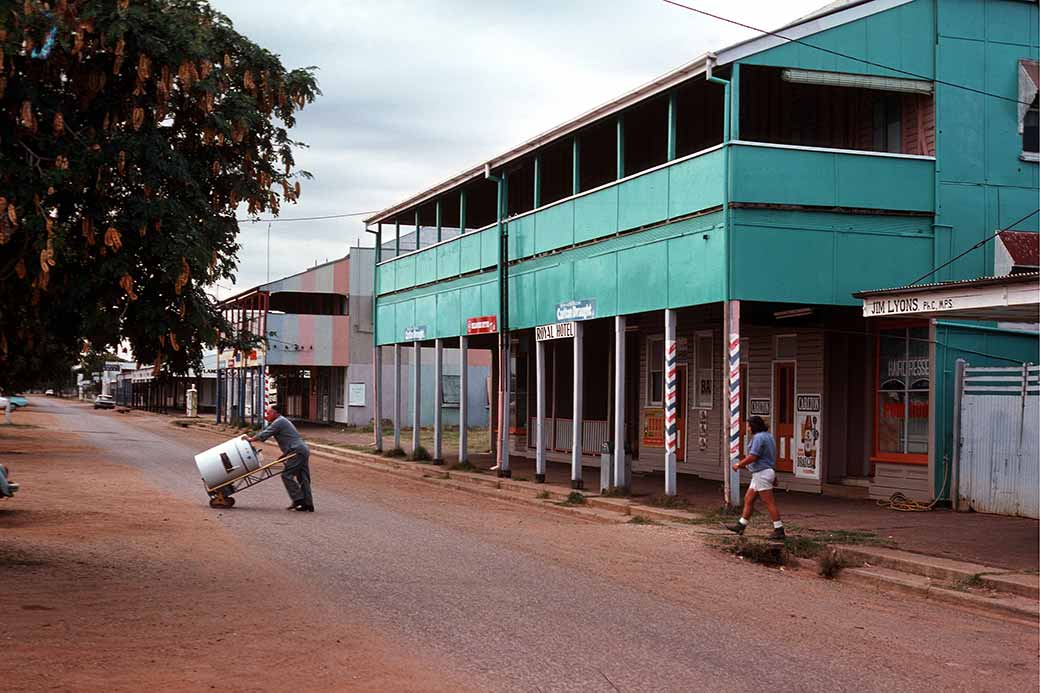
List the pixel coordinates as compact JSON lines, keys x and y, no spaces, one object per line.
{"x":297,"y":479}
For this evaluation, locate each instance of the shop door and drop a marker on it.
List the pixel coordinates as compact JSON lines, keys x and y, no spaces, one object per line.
{"x":680,"y":396}
{"x":783,"y":405}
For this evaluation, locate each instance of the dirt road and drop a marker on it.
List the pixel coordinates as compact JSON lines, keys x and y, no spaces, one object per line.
{"x":116,"y":575}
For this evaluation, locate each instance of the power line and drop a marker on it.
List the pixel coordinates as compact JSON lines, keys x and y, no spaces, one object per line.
{"x":330,"y":216}
{"x":844,"y":55}
{"x":978,"y":245}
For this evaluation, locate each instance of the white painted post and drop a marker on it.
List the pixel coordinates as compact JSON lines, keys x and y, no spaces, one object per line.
{"x":463,"y":405}
{"x":438,"y":398}
{"x":671,"y":401}
{"x":619,"y":400}
{"x":397,"y":397}
{"x":578,"y":420}
{"x":539,"y":426}
{"x":416,"y":394}
{"x":377,"y":396}
{"x":732,"y":316}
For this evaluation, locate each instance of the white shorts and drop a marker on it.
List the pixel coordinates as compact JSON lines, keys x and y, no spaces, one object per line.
{"x":763,"y":480}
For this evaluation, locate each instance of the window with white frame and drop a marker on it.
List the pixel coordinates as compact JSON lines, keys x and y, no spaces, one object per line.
{"x":655,"y":370}
{"x":704,"y":362}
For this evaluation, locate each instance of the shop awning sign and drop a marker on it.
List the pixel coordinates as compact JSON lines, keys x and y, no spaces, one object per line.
{"x":485,"y":324}
{"x":415,"y":333}
{"x":584,"y":309}
{"x":556,"y":330}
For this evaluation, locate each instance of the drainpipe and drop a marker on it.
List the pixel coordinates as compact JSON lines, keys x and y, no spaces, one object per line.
{"x":726,"y":117}
{"x":503,"y":326}
{"x":730,"y":479}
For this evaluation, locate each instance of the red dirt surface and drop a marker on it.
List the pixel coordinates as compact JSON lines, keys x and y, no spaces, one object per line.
{"x":106,"y":585}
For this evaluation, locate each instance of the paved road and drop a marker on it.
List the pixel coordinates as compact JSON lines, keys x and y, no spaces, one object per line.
{"x":512,"y":619}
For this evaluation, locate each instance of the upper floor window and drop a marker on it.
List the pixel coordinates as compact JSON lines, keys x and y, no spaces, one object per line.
{"x":1029,"y":108}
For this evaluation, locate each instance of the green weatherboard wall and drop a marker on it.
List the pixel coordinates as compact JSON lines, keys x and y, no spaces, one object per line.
{"x":976,"y":184}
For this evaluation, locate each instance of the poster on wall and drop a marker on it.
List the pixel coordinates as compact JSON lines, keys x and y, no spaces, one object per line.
{"x":653,"y":428}
{"x":356,"y":395}
{"x":807,"y":421}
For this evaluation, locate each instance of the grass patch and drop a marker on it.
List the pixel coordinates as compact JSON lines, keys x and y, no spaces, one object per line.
{"x":767,"y":553}
{"x":716,"y":516}
{"x":640,"y":520}
{"x":520,"y":478}
{"x":575,"y":498}
{"x":542,"y":495}
{"x":617,"y":492}
{"x":420,"y":454}
{"x":967,"y":582}
{"x":669,"y":502}
{"x":463,"y":467}
{"x":829,"y":564}
{"x":395,"y":452}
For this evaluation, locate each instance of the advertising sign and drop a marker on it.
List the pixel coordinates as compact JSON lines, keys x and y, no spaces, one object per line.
{"x":807,"y":425}
{"x":759,"y":407}
{"x":485,"y":324}
{"x":415,"y":333}
{"x":653,"y":428}
{"x":557,"y":330}
{"x":584,"y":309}
{"x":356,"y":395}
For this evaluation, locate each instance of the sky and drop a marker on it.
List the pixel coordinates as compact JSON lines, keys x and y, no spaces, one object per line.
{"x":414,"y":92}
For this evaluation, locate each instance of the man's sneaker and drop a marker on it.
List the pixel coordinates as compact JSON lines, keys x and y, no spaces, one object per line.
{"x":777,"y":535}
{"x":737,"y":528}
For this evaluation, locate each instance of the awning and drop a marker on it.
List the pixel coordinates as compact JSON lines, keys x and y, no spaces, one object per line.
{"x":1014,"y":298}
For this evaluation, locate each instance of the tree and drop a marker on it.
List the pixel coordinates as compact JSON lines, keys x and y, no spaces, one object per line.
{"x":130,"y":133}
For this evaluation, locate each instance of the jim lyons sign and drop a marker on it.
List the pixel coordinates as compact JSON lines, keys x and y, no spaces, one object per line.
{"x":575,"y":310}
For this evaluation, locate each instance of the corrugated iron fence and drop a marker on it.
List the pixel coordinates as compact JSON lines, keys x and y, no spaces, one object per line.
{"x":997,"y":468}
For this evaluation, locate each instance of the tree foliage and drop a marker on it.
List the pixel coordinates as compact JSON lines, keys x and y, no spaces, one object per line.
{"x":131,"y":131}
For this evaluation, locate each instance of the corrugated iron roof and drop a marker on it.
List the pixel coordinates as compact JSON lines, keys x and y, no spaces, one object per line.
{"x":978,"y":281}
{"x":1022,"y":246}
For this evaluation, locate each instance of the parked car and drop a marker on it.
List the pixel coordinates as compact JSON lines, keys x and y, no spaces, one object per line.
{"x":49,"y":393}
{"x":104,"y":402}
{"x":7,"y":487}
{"x":18,"y":401}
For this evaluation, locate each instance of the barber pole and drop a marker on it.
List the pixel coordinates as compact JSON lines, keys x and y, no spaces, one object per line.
{"x":733,"y":478}
{"x":671,"y":404}
{"x":270,"y":389}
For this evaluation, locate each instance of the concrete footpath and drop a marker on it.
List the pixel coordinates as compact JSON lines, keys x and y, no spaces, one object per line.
{"x":862,"y":535}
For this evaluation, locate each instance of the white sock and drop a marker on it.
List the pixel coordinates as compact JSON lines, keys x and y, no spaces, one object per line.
{"x":743,"y":521}
{"x":778,"y":524}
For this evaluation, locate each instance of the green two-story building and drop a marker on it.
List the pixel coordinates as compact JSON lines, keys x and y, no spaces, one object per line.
{"x":658,"y":269}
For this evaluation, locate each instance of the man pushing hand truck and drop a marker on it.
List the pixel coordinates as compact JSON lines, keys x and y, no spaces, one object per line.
{"x":296,"y":474}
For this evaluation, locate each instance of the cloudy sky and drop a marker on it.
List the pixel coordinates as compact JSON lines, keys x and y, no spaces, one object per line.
{"x":417,"y":91}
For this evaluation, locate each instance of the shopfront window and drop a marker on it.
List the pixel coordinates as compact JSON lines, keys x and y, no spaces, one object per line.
{"x":903,"y":380}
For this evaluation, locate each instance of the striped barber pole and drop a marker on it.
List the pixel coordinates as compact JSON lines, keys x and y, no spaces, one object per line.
{"x":671,"y":383}
{"x":270,"y":389}
{"x":734,"y":396}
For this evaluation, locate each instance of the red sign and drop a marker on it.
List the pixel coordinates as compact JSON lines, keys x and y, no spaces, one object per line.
{"x":485,"y":324}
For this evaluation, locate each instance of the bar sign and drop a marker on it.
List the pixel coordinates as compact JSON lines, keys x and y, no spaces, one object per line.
{"x":485,"y":324}
{"x":556,"y":330}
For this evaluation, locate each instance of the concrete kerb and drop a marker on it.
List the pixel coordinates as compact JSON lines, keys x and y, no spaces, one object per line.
{"x":944,"y":569}
{"x":1005,"y":605}
{"x":884,"y":568}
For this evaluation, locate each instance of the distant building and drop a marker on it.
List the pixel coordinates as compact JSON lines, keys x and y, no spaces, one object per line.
{"x":315,"y":330}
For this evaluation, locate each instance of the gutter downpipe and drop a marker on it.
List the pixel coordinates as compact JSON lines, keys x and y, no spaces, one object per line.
{"x":377,"y":351}
{"x":730,"y":479}
{"x":502,"y":460}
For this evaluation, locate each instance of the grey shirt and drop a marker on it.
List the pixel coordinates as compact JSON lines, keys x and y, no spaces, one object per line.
{"x":285,"y":433}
